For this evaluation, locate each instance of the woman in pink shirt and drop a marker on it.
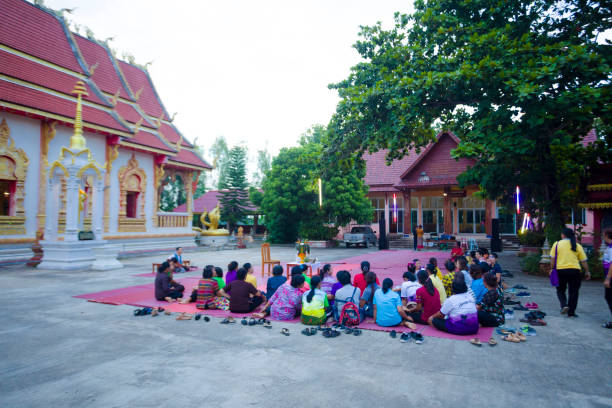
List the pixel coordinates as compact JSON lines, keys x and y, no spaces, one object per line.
{"x":427,"y":300}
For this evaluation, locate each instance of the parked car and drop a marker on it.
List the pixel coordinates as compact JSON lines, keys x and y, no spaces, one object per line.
{"x":360,"y":236}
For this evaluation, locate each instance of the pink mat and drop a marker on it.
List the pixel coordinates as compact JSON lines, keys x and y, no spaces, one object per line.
{"x":390,"y":264}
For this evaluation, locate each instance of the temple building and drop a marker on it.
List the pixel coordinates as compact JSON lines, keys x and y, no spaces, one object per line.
{"x":422,"y":189}
{"x":56,"y":86}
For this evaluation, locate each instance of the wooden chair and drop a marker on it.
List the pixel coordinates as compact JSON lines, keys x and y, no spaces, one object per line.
{"x":265,"y":259}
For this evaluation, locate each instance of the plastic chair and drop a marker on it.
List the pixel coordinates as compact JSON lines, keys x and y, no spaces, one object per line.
{"x":265,"y":259}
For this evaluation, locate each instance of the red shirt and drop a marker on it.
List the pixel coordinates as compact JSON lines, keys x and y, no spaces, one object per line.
{"x":431,"y":303}
{"x":456,"y":251}
{"x":360,"y":282}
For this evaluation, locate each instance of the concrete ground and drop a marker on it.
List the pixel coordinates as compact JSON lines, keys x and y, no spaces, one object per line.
{"x":59,"y":351}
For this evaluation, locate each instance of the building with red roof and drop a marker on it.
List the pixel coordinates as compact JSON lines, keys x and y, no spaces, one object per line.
{"x":126,"y":126}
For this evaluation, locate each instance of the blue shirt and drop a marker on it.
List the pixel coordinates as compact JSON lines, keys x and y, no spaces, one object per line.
{"x":274,"y":283}
{"x":386,"y":308}
{"x":479,"y":289}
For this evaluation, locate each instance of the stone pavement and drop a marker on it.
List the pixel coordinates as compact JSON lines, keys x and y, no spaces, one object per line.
{"x":58,"y":351}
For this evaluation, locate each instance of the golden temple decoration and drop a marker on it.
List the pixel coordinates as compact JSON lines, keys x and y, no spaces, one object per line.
{"x":138,"y":93}
{"x":599,"y":187}
{"x":13,"y":166}
{"x":115,"y":97}
{"x":77,"y":141}
{"x":157,"y":184}
{"x":112,"y":152}
{"x":595,"y":206}
{"x":212,"y":224}
{"x":137,"y":125}
{"x":47,"y":133}
{"x":158,"y":120}
{"x":133,"y":179}
{"x":93,"y":68}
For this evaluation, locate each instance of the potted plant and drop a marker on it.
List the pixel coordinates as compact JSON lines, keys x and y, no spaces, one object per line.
{"x":531,"y":241}
{"x":303,"y":248}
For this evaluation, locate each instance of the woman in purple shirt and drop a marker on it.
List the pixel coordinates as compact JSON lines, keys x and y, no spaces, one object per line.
{"x":231,"y":272}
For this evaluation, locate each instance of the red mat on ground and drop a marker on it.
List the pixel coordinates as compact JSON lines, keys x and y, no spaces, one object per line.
{"x":390,"y":264}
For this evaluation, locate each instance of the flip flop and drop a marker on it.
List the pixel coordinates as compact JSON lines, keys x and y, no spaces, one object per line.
{"x":231,"y":320}
{"x":393,"y":334}
{"x":198,"y":316}
{"x":252,"y":322}
{"x":356,"y":332}
{"x":418,"y":337}
{"x":206,"y":319}
{"x":138,"y":312}
{"x":267,"y":324}
{"x":285,"y":331}
{"x":167,"y":313}
{"x":312,"y":331}
{"x":261,"y":321}
{"x":244,"y":321}
{"x":476,"y":342}
{"x":335,"y":333}
{"x":306,"y":332}
{"x":405,"y":337}
{"x":225,"y":321}
{"x":184,"y":316}
{"x":160,"y":309}
{"x":519,"y":335}
{"x":348,"y":331}
{"x":327,"y":333}
{"x":492,"y":342}
{"x":511,"y":338}
{"x":607,"y":325}
{"x":154,"y":312}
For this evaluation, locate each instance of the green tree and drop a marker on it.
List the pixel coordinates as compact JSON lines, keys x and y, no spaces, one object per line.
{"x":173,"y":194}
{"x":521,"y":82}
{"x":264,"y":162}
{"x":220,"y":155}
{"x":290,"y":200}
{"x":234,"y":195}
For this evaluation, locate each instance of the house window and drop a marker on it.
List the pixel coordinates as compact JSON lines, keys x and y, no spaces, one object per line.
{"x":131,"y":204}
{"x":378,"y":204}
{"x":579,"y":216}
{"x":396,"y":225}
{"x":7,"y":191}
{"x":472,"y":213}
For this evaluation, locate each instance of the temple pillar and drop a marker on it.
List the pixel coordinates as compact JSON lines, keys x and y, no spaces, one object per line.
{"x":448,"y":225}
{"x":72,"y":208}
{"x":52,"y":207}
{"x":97,"y":220}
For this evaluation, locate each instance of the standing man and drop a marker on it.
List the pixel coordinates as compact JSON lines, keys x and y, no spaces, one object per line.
{"x":414,"y":237}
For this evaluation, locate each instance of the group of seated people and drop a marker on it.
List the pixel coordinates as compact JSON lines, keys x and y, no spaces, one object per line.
{"x":467,"y":295}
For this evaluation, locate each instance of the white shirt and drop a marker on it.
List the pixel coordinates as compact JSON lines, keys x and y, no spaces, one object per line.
{"x":456,"y":305}
{"x":409,"y":289}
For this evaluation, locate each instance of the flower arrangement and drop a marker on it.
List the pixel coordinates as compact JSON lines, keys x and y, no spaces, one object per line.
{"x":302,"y":247}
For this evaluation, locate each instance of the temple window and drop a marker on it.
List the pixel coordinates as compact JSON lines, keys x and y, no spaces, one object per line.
{"x":132,"y":184}
{"x":13,"y":170}
{"x":7,"y":193}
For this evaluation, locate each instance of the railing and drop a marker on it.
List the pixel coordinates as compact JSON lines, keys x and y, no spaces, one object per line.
{"x":173,"y":220}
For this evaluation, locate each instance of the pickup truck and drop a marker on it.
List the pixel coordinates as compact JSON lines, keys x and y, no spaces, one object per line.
{"x":360,"y":236}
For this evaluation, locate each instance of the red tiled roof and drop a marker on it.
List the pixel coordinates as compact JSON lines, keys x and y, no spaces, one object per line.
{"x":127,"y":112}
{"x":27,"y":28}
{"x":437,"y":163}
{"x":137,"y":80}
{"x":28,"y":97}
{"x":188,"y":157}
{"x":150,"y":139}
{"x":207,"y":202}
{"x":377,"y":171}
{"x":35,"y":73}
{"x":105,"y":75}
{"x":172,"y":134}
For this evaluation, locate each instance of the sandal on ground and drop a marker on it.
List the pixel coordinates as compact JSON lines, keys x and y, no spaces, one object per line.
{"x":417,"y":337}
{"x":348,"y":331}
{"x":534,"y":322}
{"x":138,"y":312}
{"x":607,"y":325}
{"x":267,"y":324}
{"x":312,"y":331}
{"x":492,"y":342}
{"x":356,"y":332}
{"x":184,"y":316}
{"x":261,"y":321}
{"x":306,"y":332}
{"x":326,"y":333}
{"x":244,"y":321}
{"x":393,"y":334}
{"x":511,"y":338}
{"x":198,"y":316}
{"x":519,"y":335}
{"x":405,"y":337}
{"x":206,"y":319}
{"x":225,"y":321}
{"x":285,"y":331}
{"x":252,"y":322}
{"x":476,"y":342}
{"x":167,"y":312}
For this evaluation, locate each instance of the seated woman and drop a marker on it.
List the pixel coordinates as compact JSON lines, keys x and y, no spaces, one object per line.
{"x":327,"y":279}
{"x":427,"y":300}
{"x":491,"y":307}
{"x":244,"y":298}
{"x":478,"y":287}
{"x":314,"y":304}
{"x":456,"y":251}
{"x":250,"y":278}
{"x":219,"y":277}
{"x":297,"y":270}
{"x":231,"y":272}
{"x":366,"y":302}
{"x":388,"y":307}
{"x":409,"y":287}
{"x":448,"y":277}
{"x":461,"y":264}
{"x":437,"y":282}
{"x":275,"y":281}
{"x":207,"y":294}
{"x":165,"y":287}
{"x":458,"y":314}
{"x":346,"y":293}
{"x":286,"y":302}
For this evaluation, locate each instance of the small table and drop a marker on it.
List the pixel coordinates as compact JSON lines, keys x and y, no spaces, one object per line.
{"x":310,"y":265}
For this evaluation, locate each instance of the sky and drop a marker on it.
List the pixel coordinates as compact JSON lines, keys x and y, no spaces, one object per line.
{"x":255,"y":72}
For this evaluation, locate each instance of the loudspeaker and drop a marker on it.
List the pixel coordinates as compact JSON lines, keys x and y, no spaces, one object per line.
{"x":495,"y":228}
{"x":496,"y":245}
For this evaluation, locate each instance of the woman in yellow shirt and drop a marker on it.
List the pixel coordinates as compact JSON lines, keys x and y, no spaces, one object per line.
{"x":567,"y":255}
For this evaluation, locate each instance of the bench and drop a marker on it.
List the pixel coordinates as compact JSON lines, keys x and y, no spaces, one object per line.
{"x":186,"y":263}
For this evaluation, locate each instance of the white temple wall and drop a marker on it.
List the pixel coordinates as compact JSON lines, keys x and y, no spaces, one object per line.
{"x":25,"y":132}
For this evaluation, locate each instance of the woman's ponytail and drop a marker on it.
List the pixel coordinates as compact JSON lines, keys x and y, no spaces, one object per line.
{"x":424,"y":280}
{"x":314,"y":282}
{"x":568,"y":233}
{"x":387,"y":284}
